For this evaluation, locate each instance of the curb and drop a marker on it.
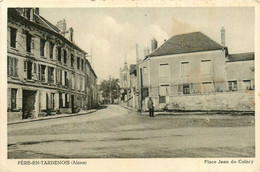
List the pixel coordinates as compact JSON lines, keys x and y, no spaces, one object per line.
{"x":52,"y":117}
{"x":130,"y":108}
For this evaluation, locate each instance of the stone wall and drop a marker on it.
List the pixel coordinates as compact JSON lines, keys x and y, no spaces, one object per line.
{"x":226,"y":101}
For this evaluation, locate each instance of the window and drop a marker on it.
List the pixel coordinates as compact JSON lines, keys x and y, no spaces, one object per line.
{"x":12,"y":66}
{"x":13,"y":98}
{"x":13,"y":33}
{"x":52,"y":101}
{"x":185,"y":68}
{"x":125,"y":76}
{"x":232,"y":85}
{"x":205,"y":67}
{"x":82,"y":64}
{"x":51,"y":50}
{"x":164,"y":89}
{"x":164,"y":70}
{"x":28,"y":68}
{"x":60,"y":100}
{"x":28,"y":14}
{"x":65,"y":56}
{"x":67,"y":100}
{"x":66,"y":79}
{"x":73,"y":81}
{"x":144,"y":70}
{"x":59,"y":54}
{"x":247,"y":84}
{"x":207,"y":87}
{"x":186,"y":89}
{"x":28,"y":41}
{"x":78,"y":63}
{"x":43,"y":67}
{"x":51,"y":75}
{"x":72,"y":60}
{"x":42,"y":45}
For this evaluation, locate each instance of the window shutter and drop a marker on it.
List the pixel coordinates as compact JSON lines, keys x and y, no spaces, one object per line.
{"x":16,"y":67}
{"x":39,"y":72}
{"x":43,"y":100}
{"x":56,"y":99}
{"x":63,"y":99}
{"x":9,"y":98}
{"x":63,"y":77}
{"x":11,"y":67}
{"x":8,"y":66}
{"x":20,"y":99}
{"x":9,"y":36}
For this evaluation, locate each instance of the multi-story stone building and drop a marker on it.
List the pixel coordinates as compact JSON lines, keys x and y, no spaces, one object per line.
{"x":46,"y":69}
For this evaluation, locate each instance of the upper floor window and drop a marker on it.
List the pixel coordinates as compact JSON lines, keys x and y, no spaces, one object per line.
{"x":42,"y":45}
{"x":65,"y":56}
{"x":78,"y":63}
{"x":51,"y":46}
{"x":59,"y":54}
{"x":43,"y":72}
{"x":13,"y":33}
{"x":28,"y":66}
{"x":185,"y":68}
{"x":205,"y":67}
{"x":28,"y":41}
{"x":50,"y":74}
{"x":164,"y":70}
{"x":72,"y":60}
{"x":12,"y":67}
{"x":82,"y":64}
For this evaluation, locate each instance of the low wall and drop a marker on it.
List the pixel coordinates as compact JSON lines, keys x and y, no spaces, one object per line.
{"x":227,"y":101}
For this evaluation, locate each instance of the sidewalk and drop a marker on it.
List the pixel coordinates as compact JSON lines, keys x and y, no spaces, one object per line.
{"x":83,"y":112}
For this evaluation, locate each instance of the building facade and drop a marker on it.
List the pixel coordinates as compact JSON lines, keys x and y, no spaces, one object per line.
{"x":46,"y":69}
{"x":186,"y":69}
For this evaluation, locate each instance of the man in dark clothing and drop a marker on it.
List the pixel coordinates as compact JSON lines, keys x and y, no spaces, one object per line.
{"x":150,"y":107}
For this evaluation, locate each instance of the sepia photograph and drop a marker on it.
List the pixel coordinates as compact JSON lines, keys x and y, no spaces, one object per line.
{"x":130,"y":82}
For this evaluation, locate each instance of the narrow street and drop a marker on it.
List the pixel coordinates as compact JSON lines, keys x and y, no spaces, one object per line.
{"x":117,"y":132}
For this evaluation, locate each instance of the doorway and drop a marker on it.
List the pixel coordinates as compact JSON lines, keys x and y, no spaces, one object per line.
{"x":28,"y":103}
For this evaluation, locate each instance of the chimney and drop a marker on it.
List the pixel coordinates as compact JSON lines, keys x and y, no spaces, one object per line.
{"x":223,"y":36}
{"x":153,"y":44}
{"x":37,"y":11}
{"x":71,"y":36}
{"x":62,"y":26}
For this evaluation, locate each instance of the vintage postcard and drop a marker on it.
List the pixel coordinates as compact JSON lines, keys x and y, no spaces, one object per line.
{"x":129,"y":86}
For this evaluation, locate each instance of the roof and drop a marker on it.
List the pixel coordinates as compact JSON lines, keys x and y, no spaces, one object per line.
{"x":132,"y":68}
{"x":186,"y":43}
{"x":241,"y":57}
{"x":43,"y":23}
{"x":91,"y":68}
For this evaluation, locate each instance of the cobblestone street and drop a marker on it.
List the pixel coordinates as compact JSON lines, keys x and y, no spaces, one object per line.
{"x":117,"y":132}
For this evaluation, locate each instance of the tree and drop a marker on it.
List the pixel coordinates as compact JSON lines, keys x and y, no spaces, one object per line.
{"x":110,"y":85}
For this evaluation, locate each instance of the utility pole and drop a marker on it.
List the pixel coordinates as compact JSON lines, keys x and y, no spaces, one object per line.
{"x":138,"y":77}
{"x":110,"y":97}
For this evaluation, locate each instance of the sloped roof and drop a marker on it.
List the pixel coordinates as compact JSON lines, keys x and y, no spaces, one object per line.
{"x":186,"y":43}
{"x":42,"y":22}
{"x":241,"y":57}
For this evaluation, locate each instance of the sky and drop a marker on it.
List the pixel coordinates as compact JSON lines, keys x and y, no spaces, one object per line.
{"x":110,"y":35}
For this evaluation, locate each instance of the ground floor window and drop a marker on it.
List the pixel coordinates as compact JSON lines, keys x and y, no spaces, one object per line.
{"x":232,"y":85}
{"x":247,"y":85}
{"x":162,"y":99}
{"x":186,"y":89}
{"x":52,"y":101}
{"x":13,"y":99}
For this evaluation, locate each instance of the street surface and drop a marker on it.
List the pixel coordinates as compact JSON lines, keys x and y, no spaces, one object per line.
{"x":117,"y":132}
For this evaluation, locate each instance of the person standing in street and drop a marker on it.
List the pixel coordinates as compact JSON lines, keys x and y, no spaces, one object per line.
{"x":150,"y":107}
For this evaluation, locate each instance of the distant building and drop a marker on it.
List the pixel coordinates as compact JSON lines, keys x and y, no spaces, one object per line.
{"x":188,"y":68}
{"x":46,"y":69}
{"x":124,"y":82}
